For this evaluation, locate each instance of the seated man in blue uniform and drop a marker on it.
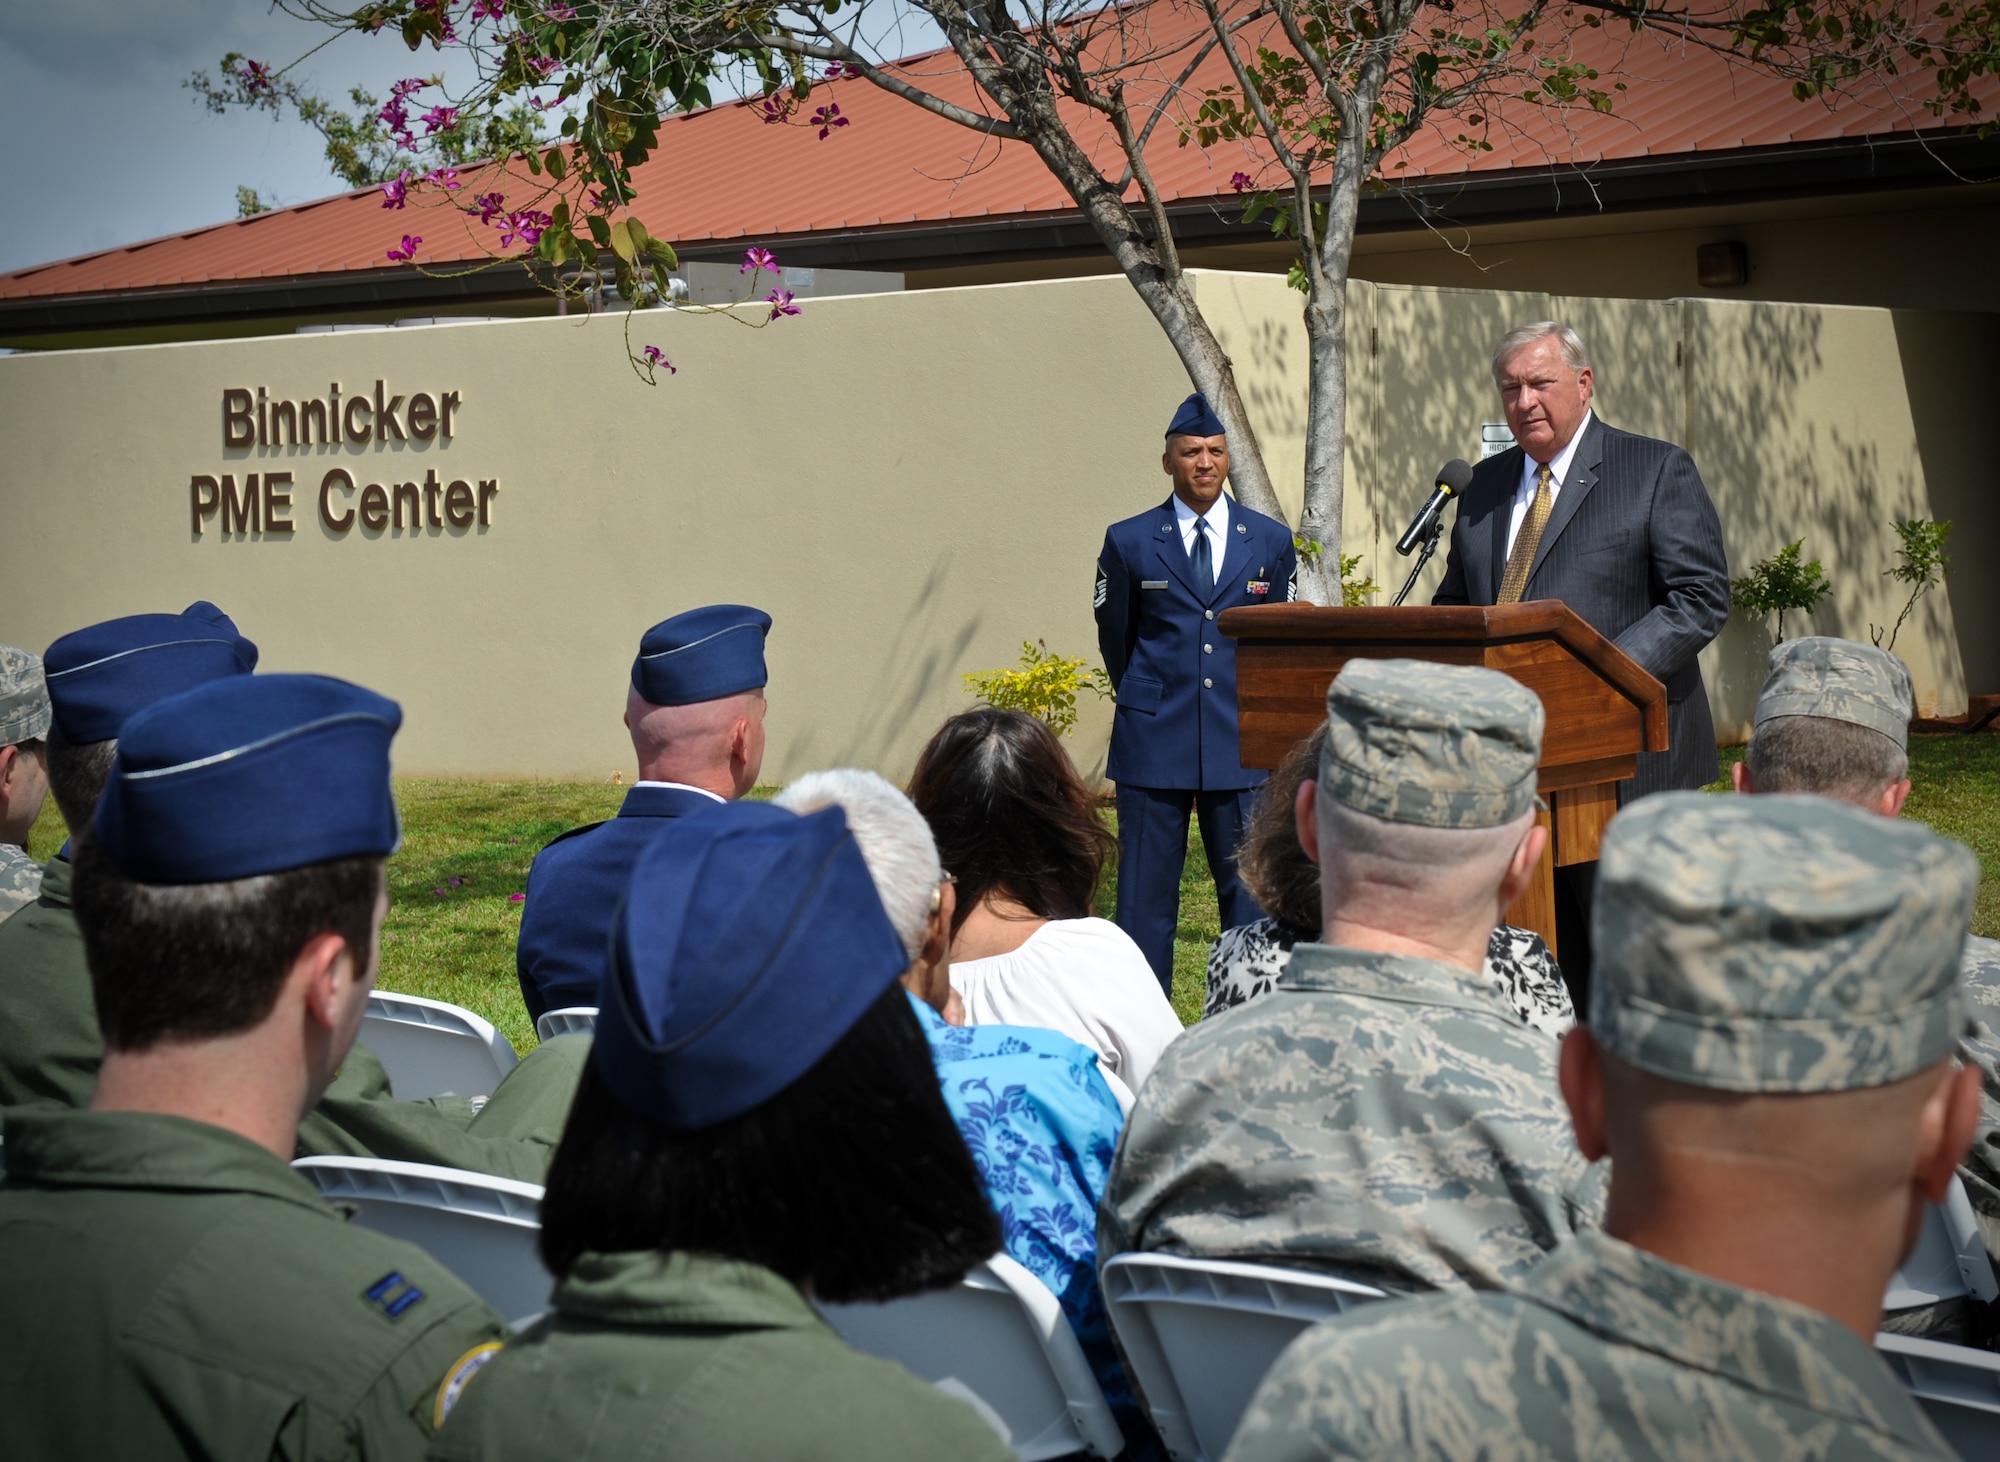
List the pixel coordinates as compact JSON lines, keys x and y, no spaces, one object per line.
{"x":1162,"y":579}
{"x":696,"y":713}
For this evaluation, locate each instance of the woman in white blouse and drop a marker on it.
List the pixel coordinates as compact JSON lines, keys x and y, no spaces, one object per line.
{"x":1019,"y":831}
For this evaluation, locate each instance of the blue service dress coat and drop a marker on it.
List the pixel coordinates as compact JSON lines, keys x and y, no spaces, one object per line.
{"x":1173,"y":670}
{"x":1634,"y":546}
{"x":574,"y":890}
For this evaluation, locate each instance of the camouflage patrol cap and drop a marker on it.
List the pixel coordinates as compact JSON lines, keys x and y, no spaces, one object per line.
{"x":1777,"y":944}
{"x":25,"y":714}
{"x":1842,"y":681}
{"x":1439,"y":745}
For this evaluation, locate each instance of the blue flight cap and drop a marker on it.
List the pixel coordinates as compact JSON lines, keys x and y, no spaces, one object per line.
{"x":1195,"y":419}
{"x":702,"y":655}
{"x":750,"y":941}
{"x":252,"y":774}
{"x":101,"y":675}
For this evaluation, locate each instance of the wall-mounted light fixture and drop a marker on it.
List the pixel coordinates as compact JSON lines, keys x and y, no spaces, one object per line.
{"x":1722,"y":266}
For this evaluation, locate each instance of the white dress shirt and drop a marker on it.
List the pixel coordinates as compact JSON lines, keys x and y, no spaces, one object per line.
{"x":1217,"y":518}
{"x":683,"y":787}
{"x":1524,"y":490}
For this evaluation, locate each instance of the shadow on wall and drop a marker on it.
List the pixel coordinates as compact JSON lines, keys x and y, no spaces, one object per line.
{"x":1948,"y":364}
{"x":916,"y":680}
{"x":1803,"y":423}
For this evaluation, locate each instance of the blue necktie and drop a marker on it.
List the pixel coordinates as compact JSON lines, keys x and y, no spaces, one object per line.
{"x":1204,"y":561}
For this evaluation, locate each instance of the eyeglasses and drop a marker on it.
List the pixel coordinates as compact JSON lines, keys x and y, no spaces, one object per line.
{"x":937,"y":894}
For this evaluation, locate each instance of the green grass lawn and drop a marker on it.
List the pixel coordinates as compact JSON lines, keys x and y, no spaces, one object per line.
{"x":467,"y":847}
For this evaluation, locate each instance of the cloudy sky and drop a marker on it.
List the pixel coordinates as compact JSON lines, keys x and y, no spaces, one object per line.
{"x":110,"y":148}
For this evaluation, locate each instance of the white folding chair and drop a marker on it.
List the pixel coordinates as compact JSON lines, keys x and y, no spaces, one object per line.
{"x":432,"y":1048}
{"x":999,"y":1340}
{"x":1957,"y":1386}
{"x":570,"y":1020}
{"x":1199,"y":1336}
{"x":483,"y":1229}
{"x":1949,"y":1260}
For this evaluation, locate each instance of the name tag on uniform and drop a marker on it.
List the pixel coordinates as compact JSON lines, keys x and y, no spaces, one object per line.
{"x":1152,"y":583}
{"x":1259,"y":587}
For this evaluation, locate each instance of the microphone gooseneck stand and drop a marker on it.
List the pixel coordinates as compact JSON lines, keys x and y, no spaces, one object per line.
{"x":1430,"y":546}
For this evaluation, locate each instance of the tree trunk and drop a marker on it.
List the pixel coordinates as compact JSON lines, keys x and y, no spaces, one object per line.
{"x":1025,"y":99}
{"x":1326,"y":430}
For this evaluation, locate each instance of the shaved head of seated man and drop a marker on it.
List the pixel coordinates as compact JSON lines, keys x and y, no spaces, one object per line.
{"x":1382,"y":1114}
{"x":1769,"y":1067}
{"x":695,"y":709}
{"x":1833,"y":718}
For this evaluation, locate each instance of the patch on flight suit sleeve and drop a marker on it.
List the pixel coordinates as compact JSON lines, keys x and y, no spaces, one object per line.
{"x":459,"y":1377}
{"x":392,"y":1294}
{"x":1103,"y":590}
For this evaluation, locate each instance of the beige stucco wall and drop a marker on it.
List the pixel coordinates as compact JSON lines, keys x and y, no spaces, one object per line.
{"x":911,"y":484}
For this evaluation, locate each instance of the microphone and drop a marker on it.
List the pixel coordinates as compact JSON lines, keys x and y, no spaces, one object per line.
{"x":1453,"y":478}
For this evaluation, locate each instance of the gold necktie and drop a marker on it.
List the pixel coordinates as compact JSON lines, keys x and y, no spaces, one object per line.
{"x":1526,"y":541}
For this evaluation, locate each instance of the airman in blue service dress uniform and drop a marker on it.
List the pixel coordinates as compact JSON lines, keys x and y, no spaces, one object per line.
{"x":1162,"y":579}
{"x":705,"y":655}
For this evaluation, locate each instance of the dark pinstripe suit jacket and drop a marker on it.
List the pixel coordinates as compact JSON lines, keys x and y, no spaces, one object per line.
{"x":1635,"y":547}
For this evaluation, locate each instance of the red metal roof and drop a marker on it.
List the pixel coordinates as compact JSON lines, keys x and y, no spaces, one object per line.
{"x":726,"y":174}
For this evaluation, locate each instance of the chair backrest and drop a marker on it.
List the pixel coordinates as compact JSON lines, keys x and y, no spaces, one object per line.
{"x":999,"y":1340}
{"x":483,"y":1229}
{"x":432,"y":1048}
{"x":1958,"y":1388}
{"x":1200,"y":1334}
{"x":1949,"y":1259}
{"x":570,"y":1020}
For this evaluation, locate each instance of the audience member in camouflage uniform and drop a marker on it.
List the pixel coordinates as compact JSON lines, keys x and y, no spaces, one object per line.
{"x":1250,"y":959}
{"x":24,"y":773}
{"x":1768,"y":1065}
{"x":1383,"y":1114}
{"x":1834,"y":718}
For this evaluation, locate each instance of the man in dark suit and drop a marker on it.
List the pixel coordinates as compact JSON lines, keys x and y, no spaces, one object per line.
{"x":1162,"y":579}
{"x":695,"y":709}
{"x":1617,"y":526}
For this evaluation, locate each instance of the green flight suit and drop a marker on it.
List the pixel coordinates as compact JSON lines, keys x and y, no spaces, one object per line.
{"x":50,"y":1047}
{"x":652,"y":1355}
{"x":170,"y":1289}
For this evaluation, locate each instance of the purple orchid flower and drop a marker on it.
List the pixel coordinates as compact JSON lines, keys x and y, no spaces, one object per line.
{"x":826,"y":119}
{"x":396,"y":191}
{"x":256,"y":76}
{"x":440,"y":119}
{"x":409,"y":250}
{"x":780,"y":301}
{"x":755,"y":260}
{"x":486,"y":9}
{"x":1240,"y":182}
{"x":446,"y":178}
{"x":523,"y":227}
{"x":487,"y":206}
{"x":657,"y":357}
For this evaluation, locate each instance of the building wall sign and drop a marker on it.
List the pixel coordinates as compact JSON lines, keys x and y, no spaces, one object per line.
{"x":263,"y":502}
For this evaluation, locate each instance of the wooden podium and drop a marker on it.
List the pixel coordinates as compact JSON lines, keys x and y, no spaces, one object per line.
{"x":1603,"y":710}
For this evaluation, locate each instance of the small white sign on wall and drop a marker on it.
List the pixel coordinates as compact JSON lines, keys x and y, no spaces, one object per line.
{"x":1494,"y":438}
